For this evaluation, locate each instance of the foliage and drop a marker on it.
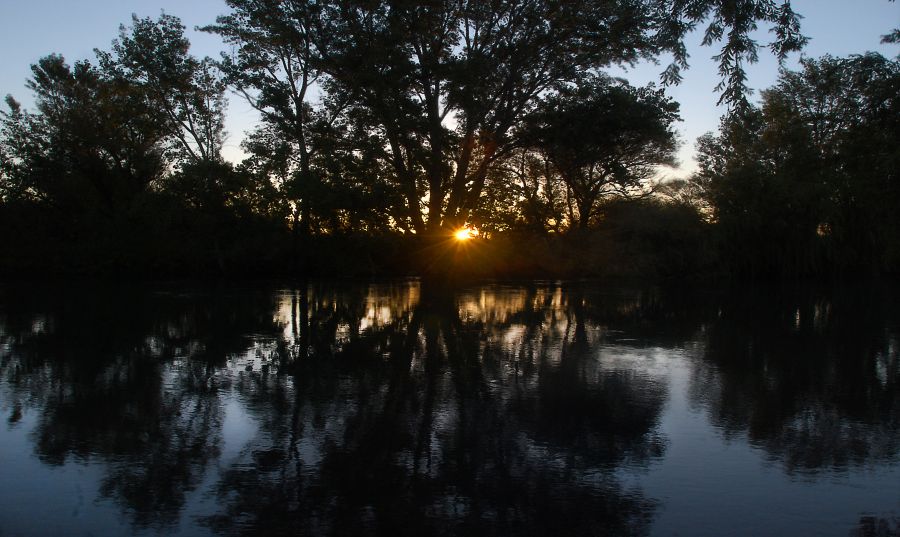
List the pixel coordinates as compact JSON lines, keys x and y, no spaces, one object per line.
{"x":603,"y":138}
{"x":272,"y":68}
{"x":186,"y":97}
{"x":809,"y":180}
{"x":522,"y":193}
{"x":444,"y":84}
{"x":735,"y":22}
{"x":186,"y":93}
{"x":92,"y":145}
{"x":389,"y":120}
{"x":119,"y":166}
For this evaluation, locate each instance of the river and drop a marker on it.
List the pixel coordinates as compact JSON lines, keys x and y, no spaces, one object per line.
{"x":399,"y":408}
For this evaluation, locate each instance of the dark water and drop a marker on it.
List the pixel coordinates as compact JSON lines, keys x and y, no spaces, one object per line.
{"x":396,"y":409}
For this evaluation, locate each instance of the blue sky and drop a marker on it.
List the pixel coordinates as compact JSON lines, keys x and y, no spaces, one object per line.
{"x":30,"y":29}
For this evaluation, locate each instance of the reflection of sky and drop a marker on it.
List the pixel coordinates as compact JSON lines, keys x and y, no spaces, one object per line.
{"x":27,"y":509}
{"x":691,"y":481}
{"x":707,"y":481}
{"x":29,"y":30}
{"x":37,"y":499}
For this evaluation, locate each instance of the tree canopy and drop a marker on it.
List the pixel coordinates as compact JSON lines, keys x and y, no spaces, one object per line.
{"x":603,"y":138}
{"x":406,"y":121}
{"x":809,"y":179}
{"x":438,"y":88}
{"x":92,"y":144}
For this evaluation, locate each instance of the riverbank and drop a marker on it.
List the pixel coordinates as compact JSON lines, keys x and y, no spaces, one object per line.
{"x":650,"y":241}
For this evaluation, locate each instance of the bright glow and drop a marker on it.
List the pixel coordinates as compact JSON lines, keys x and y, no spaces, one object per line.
{"x":464,"y":234}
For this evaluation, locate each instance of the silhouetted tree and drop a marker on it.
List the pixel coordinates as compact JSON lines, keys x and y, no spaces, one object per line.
{"x":110,"y":130}
{"x":93,"y":145}
{"x":844,"y":113}
{"x":603,"y":138}
{"x":272,"y":67}
{"x":187,"y":93}
{"x":522,"y":193}
{"x":10,"y":133}
{"x":809,"y":180}
{"x":188,"y":97}
{"x":377,"y":118}
{"x":412,"y":68}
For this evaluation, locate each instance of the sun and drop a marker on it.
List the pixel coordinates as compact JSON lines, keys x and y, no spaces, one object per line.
{"x":464,"y":234}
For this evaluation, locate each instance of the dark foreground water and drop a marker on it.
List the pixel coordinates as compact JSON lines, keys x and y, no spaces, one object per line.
{"x":396,"y":409}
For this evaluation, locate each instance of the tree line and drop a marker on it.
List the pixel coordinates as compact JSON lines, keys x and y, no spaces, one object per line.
{"x":385,"y":126}
{"x":807,"y":182}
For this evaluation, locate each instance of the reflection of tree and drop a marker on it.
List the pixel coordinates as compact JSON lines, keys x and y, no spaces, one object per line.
{"x":813,"y":380}
{"x":129,"y":378}
{"x":440,"y":420}
{"x":870,"y":526}
{"x":402,"y":409}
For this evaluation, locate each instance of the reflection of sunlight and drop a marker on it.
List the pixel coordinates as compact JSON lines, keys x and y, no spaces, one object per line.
{"x":383,"y":305}
{"x":499,"y":305}
{"x":375,"y":318}
{"x":513,"y":338}
{"x":39,"y":325}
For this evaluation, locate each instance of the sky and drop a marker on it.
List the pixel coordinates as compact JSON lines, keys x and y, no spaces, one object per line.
{"x":30,"y":29}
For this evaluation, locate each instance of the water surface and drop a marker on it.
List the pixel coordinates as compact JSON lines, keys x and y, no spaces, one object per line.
{"x":396,"y":408}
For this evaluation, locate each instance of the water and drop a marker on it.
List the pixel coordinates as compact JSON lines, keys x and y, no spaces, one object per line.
{"x":399,"y":409}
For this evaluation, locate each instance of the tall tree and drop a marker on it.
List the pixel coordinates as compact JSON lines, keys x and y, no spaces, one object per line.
{"x":12,"y":185}
{"x":813,"y":170}
{"x":604,"y":137}
{"x":186,"y":94}
{"x":522,"y":193}
{"x":272,"y":67}
{"x":765,"y":223}
{"x":444,"y":83}
{"x":844,"y":114}
{"x":93,"y":143}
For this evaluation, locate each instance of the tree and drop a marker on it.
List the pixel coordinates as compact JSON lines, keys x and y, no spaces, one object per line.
{"x":766,"y":215}
{"x":522,"y":193}
{"x":842,"y":114}
{"x":186,"y":96}
{"x":739,"y":19}
{"x":603,"y":137}
{"x":445,"y":83}
{"x":441,"y":85}
{"x":93,"y":144}
{"x":11,"y":128}
{"x":813,"y":172}
{"x":119,"y":123}
{"x":272,"y":67}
